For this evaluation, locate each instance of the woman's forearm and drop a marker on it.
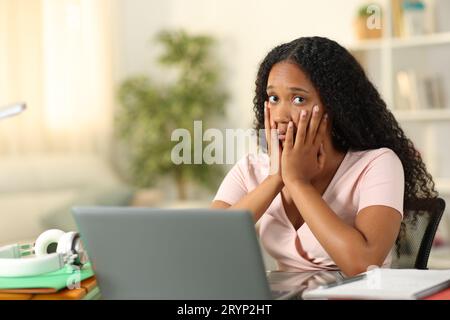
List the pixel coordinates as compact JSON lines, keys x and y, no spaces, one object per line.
{"x":261,"y":197}
{"x":342,"y":242}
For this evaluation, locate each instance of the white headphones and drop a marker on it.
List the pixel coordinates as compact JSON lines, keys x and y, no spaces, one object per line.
{"x":53,"y":249}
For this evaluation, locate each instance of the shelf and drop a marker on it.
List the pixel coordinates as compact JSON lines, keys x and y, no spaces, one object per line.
{"x":425,"y":40}
{"x":422,"y":115}
{"x":399,"y":43}
{"x":366,"y":45}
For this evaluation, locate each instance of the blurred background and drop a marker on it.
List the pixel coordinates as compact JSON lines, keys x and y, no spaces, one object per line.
{"x":106,"y":82}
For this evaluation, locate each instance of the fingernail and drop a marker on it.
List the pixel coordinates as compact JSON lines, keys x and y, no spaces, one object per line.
{"x":303,"y":114}
{"x":290,"y":125}
{"x":316,"y":109}
{"x":325,"y":117}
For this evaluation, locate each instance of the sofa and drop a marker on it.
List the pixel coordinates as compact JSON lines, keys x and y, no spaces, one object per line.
{"x":38,"y":191}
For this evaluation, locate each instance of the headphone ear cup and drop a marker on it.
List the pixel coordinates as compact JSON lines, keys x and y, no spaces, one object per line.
{"x":66,"y":242}
{"x":48,"y":242}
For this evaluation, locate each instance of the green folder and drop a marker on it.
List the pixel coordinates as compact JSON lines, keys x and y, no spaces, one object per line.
{"x":57,"y":280}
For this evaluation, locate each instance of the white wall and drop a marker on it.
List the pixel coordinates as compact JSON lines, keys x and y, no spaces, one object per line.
{"x":245,"y":30}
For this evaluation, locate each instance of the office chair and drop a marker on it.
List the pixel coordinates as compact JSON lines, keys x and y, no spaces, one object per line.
{"x":422,"y":220}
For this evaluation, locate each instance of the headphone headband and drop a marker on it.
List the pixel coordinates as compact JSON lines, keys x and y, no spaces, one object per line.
{"x":25,"y":267}
{"x":11,"y":251}
{"x":53,"y":249}
{"x":16,"y":251}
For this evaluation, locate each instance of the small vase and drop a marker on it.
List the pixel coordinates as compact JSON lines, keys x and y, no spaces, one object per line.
{"x":363,"y":32}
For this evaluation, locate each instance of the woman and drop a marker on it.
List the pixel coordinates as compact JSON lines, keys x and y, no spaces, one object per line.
{"x":331,"y":194}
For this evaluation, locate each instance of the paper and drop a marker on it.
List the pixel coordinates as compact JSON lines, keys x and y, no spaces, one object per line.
{"x":389,"y":284}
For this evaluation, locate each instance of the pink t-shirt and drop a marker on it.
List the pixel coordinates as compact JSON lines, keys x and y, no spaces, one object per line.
{"x":364,"y":178}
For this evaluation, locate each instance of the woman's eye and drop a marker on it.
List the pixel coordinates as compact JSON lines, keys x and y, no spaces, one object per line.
{"x":298,"y":100}
{"x":273,"y":99}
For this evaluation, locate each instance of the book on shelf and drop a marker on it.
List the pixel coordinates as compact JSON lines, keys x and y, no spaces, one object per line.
{"x":397,"y":18}
{"x":419,"y":90}
{"x":430,"y":16}
{"x":413,"y":17}
{"x":442,"y":8}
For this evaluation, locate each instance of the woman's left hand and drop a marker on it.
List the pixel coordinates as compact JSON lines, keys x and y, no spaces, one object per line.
{"x":303,"y":158}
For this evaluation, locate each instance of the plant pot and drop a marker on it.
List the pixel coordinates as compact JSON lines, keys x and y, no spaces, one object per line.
{"x":147,"y":198}
{"x":187,"y":204}
{"x":363,"y":32}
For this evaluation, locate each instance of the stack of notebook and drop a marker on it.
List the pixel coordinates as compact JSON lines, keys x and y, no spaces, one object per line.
{"x":64,"y":284}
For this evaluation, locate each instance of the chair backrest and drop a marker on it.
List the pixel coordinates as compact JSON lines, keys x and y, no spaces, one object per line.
{"x":422,"y":217}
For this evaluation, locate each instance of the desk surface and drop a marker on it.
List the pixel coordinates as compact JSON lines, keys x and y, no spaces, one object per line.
{"x":311,"y":280}
{"x":88,"y":291}
{"x":281,"y":281}
{"x":277,"y":280}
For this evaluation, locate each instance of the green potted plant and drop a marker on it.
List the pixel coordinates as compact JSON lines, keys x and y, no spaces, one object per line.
{"x":368,"y":13}
{"x":150,"y":111}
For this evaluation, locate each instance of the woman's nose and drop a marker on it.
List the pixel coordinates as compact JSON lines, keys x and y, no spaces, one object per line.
{"x":281,"y":114}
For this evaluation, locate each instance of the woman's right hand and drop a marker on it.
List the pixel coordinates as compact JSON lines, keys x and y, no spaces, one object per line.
{"x":273,"y":145}
{"x":259,"y":199}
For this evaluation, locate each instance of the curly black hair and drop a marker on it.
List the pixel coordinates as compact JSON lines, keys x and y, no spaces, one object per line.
{"x":360,"y":117}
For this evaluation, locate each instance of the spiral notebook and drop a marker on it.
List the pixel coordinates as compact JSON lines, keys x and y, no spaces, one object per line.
{"x":386,"y":284}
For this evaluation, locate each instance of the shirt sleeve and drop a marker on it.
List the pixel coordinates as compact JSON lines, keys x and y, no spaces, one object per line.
{"x":234,"y":187}
{"x":383,"y":183}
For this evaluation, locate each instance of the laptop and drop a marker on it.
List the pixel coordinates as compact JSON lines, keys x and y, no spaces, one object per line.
{"x":188,"y":254}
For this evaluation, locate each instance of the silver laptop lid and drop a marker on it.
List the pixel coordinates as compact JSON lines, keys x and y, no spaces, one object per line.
{"x":142,"y":253}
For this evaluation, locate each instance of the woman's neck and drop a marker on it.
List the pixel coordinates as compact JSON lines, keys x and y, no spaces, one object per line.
{"x":333,"y":161}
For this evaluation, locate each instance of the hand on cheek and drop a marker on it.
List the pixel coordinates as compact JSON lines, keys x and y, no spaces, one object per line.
{"x":273,"y":144}
{"x":303,"y":157}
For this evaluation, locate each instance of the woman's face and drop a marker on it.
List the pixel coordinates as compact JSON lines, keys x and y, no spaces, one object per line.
{"x":289,"y":92}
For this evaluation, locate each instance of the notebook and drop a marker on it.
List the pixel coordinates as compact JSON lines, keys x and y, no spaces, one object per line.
{"x":386,"y":284}
{"x":45,"y":283}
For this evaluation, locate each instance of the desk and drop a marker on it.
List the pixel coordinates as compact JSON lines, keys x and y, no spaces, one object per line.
{"x":303,"y":281}
{"x":88,"y":291}
{"x":443,"y":295}
{"x":277,"y":280}
{"x":282,"y":281}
